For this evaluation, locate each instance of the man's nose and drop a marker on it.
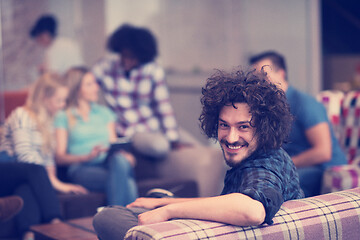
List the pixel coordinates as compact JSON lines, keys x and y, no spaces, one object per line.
{"x":232,"y":136}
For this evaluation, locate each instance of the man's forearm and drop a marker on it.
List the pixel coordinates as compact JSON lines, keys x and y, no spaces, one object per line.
{"x":310,"y":157}
{"x":236,"y":209}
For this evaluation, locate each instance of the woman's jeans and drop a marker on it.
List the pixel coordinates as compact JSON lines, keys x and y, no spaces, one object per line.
{"x":115,"y":178}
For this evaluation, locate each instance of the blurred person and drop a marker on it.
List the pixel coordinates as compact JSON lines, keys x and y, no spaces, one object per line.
{"x":34,"y":194}
{"x":26,"y":148}
{"x":134,"y":87}
{"x":84,"y":131}
{"x":60,"y":53}
{"x":250,"y":118}
{"x":312,"y":144}
{"x":28,"y":131}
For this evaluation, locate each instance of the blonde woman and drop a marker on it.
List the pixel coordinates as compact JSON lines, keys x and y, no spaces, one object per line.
{"x":84,"y":131}
{"x":28,"y":139}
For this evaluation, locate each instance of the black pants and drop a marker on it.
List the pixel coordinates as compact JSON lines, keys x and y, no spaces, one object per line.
{"x":113,"y":222}
{"x":31,"y":183}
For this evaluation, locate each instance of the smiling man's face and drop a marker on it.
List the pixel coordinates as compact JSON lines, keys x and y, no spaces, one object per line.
{"x":235,"y":133}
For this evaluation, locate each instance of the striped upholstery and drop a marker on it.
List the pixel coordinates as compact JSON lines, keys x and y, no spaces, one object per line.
{"x":328,"y":216}
{"x":332,"y":100}
{"x":344,"y":114}
{"x":341,"y":177}
{"x":350,"y":138}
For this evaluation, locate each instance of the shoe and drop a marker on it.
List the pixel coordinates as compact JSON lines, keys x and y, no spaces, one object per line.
{"x":9,"y":207}
{"x":159,"y":193}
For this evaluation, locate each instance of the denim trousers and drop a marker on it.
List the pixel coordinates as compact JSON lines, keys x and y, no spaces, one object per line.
{"x":115,"y":178}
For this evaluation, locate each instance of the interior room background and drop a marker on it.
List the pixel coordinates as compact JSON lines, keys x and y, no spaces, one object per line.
{"x":194,"y":38}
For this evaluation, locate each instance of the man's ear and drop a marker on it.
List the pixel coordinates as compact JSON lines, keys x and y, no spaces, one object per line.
{"x":283,"y":74}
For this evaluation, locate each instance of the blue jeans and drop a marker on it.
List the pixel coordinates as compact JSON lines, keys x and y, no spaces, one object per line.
{"x":311,"y":180}
{"x":115,"y":179}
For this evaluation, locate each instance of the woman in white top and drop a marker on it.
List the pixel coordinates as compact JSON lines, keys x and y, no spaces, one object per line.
{"x":28,"y":139}
{"x":28,"y":131}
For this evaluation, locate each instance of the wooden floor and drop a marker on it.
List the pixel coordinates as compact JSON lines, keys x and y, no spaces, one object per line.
{"x":80,"y":229}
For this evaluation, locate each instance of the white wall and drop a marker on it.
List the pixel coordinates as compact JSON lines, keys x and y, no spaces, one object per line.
{"x":290,"y":27}
{"x":208,"y":34}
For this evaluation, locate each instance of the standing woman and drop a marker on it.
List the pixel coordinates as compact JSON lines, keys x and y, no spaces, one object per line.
{"x":84,"y":132}
{"x":28,"y":139}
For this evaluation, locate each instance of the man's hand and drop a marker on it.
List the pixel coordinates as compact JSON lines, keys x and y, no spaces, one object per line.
{"x":149,"y":203}
{"x":154,"y":216}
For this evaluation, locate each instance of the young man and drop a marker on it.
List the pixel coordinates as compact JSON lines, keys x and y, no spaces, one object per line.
{"x":250,"y":118}
{"x":61,"y":53}
{"x":134,"y":87}
{"x":312,"y":144}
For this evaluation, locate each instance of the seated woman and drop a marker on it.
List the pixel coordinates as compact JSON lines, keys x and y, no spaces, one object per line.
{"x":27,"y":137}
{"x":84,"y":131}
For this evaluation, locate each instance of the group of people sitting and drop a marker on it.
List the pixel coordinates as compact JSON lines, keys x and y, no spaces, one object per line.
{"x":271,"y":136}
{"x":62,"y":123}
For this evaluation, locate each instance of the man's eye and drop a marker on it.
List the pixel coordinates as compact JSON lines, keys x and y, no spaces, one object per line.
{"x":243,"y":127}
{"x":223,"y":125}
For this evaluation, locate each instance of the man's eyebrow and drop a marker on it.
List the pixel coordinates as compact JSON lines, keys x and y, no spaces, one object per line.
{"x":241,"y":122}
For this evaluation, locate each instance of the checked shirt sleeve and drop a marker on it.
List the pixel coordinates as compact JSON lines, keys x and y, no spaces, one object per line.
{"x":163,"y":108}
{"x":264,"y":187}
{"x":260,"y":181}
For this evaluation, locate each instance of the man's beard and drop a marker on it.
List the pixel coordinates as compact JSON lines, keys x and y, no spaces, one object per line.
{"x":233,"y":162}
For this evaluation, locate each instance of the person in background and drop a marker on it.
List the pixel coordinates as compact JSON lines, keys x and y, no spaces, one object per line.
{"x":28,"y":138}
{"x":250,"y":118}
{"x":84,"y":131}
{"x":60,"y":53}
{"x":134,"y":87}
{"x":312,"y":143}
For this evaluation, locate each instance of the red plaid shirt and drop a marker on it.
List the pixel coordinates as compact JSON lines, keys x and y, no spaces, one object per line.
{"x":140,"y":101}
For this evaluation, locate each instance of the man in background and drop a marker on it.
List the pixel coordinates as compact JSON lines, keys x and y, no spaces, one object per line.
{"x":60,"y":53}
{"x":312,"y":144}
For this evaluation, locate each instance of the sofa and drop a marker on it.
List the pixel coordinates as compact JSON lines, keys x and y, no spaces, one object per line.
{"x":329,"y":216}
{"x":343,"y":110}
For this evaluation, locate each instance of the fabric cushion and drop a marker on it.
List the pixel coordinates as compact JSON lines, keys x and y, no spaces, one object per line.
{"x":349,"y":138}
{"x":341,"y":178}
{"x":332,"y":100}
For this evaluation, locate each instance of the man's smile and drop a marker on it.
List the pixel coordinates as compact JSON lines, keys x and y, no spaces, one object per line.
{"x":235,"y":146}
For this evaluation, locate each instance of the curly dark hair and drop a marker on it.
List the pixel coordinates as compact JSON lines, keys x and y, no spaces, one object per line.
{"x":268,"y":106}
{"x":140,"y":41}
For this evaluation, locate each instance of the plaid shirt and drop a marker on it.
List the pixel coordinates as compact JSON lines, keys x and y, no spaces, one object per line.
{"x":269,"y":178}
{"x":140,"y":101}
